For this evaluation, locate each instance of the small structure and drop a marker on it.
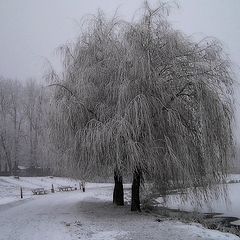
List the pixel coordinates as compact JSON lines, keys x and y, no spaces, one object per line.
{"x":24,"y":171}
{"x":21,"y":171}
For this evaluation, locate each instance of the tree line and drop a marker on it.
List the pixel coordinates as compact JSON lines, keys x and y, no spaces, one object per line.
{"x":23,"y":124}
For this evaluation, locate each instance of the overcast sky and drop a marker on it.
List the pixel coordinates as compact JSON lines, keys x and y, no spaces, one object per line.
{"x":30,"y":30}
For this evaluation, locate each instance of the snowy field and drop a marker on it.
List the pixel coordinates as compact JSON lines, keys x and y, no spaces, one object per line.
{"x":10,"y":186}
{"x":77,"y":215}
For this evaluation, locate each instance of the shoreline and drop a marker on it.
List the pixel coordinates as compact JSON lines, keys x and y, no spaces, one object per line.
{"x":215,"y":221}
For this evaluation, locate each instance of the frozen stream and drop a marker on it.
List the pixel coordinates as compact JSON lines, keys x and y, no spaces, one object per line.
{"x":229,"y":208}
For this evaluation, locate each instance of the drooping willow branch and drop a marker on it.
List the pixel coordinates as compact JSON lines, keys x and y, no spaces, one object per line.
{"x":72,"y":94}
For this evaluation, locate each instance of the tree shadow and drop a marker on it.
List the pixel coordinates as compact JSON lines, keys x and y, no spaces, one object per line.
{"x":93,"y":208}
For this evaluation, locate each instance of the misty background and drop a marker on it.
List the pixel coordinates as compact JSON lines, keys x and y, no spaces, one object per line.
{"x":30,"y":31}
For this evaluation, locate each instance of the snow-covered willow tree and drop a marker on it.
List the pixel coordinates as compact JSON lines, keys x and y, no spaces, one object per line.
{"x":142,"y":98}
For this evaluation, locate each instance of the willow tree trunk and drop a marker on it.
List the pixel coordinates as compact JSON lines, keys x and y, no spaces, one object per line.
{"x":118,"y":195}
{"x":135,"y":204}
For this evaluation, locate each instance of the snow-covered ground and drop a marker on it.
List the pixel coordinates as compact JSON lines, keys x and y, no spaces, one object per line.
{"x":229,"y":208}
{"x":77,"y":215}
{"x":10,"y":186}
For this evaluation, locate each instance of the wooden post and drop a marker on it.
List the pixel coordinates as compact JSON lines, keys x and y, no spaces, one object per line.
{"x":83,"y":186}
{"x":21,"y":192}
{"x":52,"y":190}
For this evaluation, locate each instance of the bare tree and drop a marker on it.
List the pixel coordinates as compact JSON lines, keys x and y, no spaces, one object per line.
{"x":141,"y":98}
{"x":23,"y":123}
{"x":11,"y":119}
{"x":35,"y":112}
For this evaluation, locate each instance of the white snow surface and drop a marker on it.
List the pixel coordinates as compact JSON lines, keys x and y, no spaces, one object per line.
{"x":77,"y":215}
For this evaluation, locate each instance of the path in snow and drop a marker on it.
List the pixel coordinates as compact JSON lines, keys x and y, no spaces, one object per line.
{"x":90,"y":216}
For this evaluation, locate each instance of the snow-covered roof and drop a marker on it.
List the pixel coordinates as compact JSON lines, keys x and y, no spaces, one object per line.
{"x":22,"y":167}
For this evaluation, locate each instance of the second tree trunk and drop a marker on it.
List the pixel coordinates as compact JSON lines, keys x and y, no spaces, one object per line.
{"x":135,"y":205}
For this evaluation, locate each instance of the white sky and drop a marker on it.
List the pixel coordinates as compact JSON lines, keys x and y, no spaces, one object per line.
{"x":30,"y":30}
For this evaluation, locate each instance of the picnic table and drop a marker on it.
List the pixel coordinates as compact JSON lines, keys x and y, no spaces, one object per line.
{"x":39,"y":191}
{"x":66,"y":188}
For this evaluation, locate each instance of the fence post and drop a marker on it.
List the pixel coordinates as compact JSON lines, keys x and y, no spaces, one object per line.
{"x":21,"y":192}
{"x":83,"y":185}
{"x":52,"y":190}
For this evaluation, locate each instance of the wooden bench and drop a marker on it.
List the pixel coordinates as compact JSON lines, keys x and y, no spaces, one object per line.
{"x":39,"y":191}
{"x":65,"y":188}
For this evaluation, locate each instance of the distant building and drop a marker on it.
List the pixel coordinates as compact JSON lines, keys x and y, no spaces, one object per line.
{"x":23,"y":171}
